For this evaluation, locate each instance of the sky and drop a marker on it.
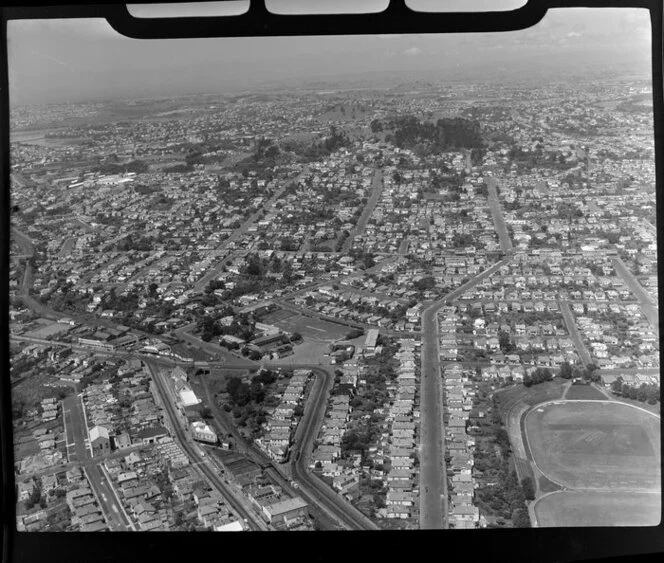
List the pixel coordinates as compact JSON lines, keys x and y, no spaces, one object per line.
{"x":53,"y":61}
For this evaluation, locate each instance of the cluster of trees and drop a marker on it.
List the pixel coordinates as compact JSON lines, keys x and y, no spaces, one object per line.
{"x":504,"y":342}
{"x":334,"y":141}
{"x":266,"y":149}
{"x":449,"y":182}
{"x":445,"y":134}
{"x":540,"y":375}
{"x":503,"y":496}
{"x":460,"y":240}
{"x":35,"y":498}
{"x":209,"y":326}
{"x":241,"y":392}
{"x":425,"y":283}
{"x":142,"y":244}
{"x":355,"y":333}
{"x":589,"y":374}
{"x":145,"y":190}
{"x":343,"y":237}
{"x":644,"y":393}
{"x":178,"y":169}
{"x":247,"y":400}
{"x":357,"y":440}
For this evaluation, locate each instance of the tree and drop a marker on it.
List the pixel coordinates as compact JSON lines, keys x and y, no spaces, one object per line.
{"x":528,"y":488}
{"x":565,"y":370}
{"x":34,"y":498}
{"x":520,"y":518}
{"x":232,"y":385}
{"x":504,"y":341}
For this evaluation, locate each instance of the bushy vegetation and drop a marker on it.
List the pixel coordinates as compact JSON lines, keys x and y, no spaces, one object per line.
{"x":247,"y":400}
{"x":644,"y":392}
{"x":445,"y":134}
{"x":500,"y":495}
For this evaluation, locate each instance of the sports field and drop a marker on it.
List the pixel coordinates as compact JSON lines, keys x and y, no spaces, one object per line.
{"x":588,"y":508}
{"x":595,"y":445}
{"x":313,"y":328}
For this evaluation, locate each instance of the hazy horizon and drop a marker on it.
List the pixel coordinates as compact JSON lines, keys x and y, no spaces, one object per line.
{"x":56,"y":61}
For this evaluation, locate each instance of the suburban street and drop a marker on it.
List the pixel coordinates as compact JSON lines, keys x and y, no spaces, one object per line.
{"x":433,"y":475}
{"x":376,"y":191}
{"x":570,"y":323}
{"x":108,"y":499}
{"x":497,"y":213}
{"x":76,"y":434}
{"x":648,"y":304}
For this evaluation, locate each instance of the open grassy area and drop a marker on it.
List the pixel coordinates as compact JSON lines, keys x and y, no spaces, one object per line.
{"x":586,"y":508}
{"x":308,"y":352}
{"x":315,"y":329}
{"x":547,"y":486}
{"x":547,"y":391}
{"x":595,"y":445}
{"x":585,"y":392}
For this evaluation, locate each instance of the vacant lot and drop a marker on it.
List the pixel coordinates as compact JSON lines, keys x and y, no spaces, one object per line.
{"x":313,"y":328}
{"x":276,"y":316}
{"x":595,"y":445}
{"x":585,"y":392}
{"x":587,"y":508}
{"x":47,"y":330}
{"x":309,"y":352}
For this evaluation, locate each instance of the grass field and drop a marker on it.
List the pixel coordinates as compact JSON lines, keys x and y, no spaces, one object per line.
{"x":46,"y":331}
{"x":587,"y":508}
{"x":593,"y":445}
{"x":585,"y":392}
{"x":276,"y":316}
{"x":547,"y":486}
{"x":547,"y":391}
{"x":313,"y":328}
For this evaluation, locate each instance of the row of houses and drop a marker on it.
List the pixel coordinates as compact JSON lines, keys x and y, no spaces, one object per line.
{"x":282,"y":422}
{"x":403,"y":417}
{"x":459,"y":447}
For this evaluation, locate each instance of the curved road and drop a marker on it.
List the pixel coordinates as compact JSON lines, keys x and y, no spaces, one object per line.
{"x":193,"y":454}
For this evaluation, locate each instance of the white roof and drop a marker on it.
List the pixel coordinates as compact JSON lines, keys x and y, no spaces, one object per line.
{"x":232,"y":527}
{"x":98,"y":432}
{"x":189,"y":397}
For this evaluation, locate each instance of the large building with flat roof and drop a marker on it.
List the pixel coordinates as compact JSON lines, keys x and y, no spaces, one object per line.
{"x":285,"y":510}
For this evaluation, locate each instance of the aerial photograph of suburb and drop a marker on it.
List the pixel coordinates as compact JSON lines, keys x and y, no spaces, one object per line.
{"x":364,"y":282}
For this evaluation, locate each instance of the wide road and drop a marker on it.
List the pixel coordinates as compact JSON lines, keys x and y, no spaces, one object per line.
{"x":108,"y":499}
{"x":648,"y":304}
{"x":196,"y":458}
{"x":76,"y":435}
{"x":459,"y":291}
{"x":498,"y":219}
{"x":377,"y":190}
{"x":433,"y":473}
{"x":574,"y":334}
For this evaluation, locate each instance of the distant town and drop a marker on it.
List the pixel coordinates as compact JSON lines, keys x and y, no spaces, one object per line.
{"x":335,"y":309}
